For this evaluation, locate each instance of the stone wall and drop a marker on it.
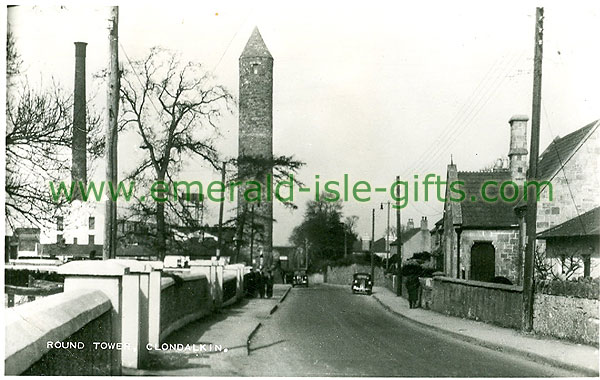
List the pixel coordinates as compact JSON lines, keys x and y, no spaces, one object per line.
{"x":493,"y":303}
{"x":343,"y":275}
{"x":574,"y":319}
{"x":183,"y":300}
{"x":580,"y":174}
{"x":80,"y":317}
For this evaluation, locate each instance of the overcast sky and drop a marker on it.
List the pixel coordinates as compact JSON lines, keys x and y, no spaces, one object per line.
{"x":372,"y":90}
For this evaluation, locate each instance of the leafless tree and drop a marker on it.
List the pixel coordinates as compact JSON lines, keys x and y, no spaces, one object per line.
{"x":38,"y":142}
{"x":173,"y":107}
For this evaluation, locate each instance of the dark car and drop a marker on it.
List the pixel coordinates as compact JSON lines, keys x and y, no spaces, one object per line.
{"x":362,"y":283}
{"x":300,"y":279}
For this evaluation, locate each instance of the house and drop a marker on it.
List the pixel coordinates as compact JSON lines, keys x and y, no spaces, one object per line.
{"x":436,"y":244}
{"x":577,"y":237}
{"x":413,"y":240}
{"x":480,"y":238}
{"x":570,"y":165}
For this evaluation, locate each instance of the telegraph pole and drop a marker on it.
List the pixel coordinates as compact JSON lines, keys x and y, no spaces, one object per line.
{"x":109,"y":248}
{"x":531,"y":216}
{"x":373,"y":246}
{"x":221,"y":205}
{"x":399,"y":235}
{"x":387,"y":236}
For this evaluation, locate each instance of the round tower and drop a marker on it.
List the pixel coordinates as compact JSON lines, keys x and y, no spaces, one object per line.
{"x":255,"y":145}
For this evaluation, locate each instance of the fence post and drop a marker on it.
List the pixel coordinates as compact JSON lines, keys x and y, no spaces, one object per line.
{"x":106,"y":276}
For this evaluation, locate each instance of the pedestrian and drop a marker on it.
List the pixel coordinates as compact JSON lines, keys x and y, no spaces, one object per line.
{"x":261,"y":275}
{"x":412,"y":285}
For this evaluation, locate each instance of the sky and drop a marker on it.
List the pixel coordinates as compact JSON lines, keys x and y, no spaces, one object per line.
{"x":372,"y":90}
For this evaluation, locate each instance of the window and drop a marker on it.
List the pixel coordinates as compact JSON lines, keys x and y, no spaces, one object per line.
{"x":60,"y":223}
{"x":92,"y":223}
{"x":59,"y":239}
{"x":75,"y":241}
{"x":91,"y":239}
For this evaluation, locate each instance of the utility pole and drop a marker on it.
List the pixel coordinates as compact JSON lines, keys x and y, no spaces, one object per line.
{"x":373,"y":246}
{"x":109,"y":248}
{"x":387,"y":236}
{"x":399,"y":235}
{"x":531,"y":216}
{"x":221,"y":205}
{"x":252,"y":236}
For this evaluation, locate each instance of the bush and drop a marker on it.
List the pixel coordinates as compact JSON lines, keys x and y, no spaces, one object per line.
{"x":412,"y":269}
{"x":581,"y":288}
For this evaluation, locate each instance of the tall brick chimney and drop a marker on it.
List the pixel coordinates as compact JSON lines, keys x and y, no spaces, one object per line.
{"x":518,"y":148}
{"x":79,"y":142}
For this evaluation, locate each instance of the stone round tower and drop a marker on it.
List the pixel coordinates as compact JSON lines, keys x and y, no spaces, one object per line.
{"x":256,"y":136}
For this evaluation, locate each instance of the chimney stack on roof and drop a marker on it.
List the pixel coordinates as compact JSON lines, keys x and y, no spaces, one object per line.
{"x":410,"y":224}
{"x":424,"y":224}
{"x":518,"y":148}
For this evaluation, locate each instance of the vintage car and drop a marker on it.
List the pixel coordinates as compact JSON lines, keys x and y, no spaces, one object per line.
{"x":362,"y":283}
{"x":300,"y":279}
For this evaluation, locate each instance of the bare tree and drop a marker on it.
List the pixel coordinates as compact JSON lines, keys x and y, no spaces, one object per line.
{"x":38,"y":141}
{"x":173,"y":107}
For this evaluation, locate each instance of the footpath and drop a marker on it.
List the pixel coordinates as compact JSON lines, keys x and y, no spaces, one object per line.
{"x":558,"y":353}
{"x":218,"y":339}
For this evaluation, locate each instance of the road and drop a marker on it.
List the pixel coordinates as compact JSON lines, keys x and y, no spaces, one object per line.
{"x":326,"y":331}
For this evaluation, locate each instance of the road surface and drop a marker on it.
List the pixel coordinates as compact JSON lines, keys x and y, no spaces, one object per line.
{"x":326,"y":331}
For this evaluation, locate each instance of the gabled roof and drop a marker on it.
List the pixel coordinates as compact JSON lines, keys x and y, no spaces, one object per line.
{"x":256,"y":47}
{"x":479,"y":213}
{"x":587,"y":224}
{"x":560,"y":150}
{"x":407,"y":235}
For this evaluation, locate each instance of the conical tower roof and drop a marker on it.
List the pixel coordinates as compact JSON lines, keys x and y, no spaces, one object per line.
{"x":255,"y":47}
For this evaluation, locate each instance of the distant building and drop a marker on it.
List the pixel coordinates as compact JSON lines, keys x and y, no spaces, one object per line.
{"x":414,"y":240}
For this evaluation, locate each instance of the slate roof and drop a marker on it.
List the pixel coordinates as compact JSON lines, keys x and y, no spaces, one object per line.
{"x":256,"y":47}
{"x":560,"y":150}
{"x":478,"y":213}
{"x":587,"y":224}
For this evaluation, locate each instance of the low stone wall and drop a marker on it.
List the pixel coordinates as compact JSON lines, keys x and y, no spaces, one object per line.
{"x":575,"y":319}
{"x":184,"y":297}
{"x":343,"y":275}
{"x":229,"y":286}
{"x":316,"y":278}
{"x":73,"y":321}
{"x":493,"y":303}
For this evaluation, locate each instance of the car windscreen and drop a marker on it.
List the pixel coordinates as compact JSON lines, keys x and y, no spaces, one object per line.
{"x":362,"y":277}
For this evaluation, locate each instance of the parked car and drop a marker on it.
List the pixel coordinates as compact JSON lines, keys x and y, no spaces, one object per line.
{"x":300,"y":279}
{"x":288,"y":277}
{"x":362,"y":283}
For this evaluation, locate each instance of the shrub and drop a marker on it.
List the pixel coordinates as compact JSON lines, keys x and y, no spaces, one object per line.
{"x":581,"y":288}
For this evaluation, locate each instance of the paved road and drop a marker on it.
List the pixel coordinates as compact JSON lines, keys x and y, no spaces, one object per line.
{"x":327,"y":331}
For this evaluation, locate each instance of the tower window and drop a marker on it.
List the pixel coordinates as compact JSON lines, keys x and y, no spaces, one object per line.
{"x":255,"y":68}
{"x":60,"y":223}
{"x":92,"y":223}
{"x":520,"y":170}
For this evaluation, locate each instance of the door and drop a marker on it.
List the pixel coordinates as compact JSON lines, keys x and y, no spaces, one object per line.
{"x":483,"y":262}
